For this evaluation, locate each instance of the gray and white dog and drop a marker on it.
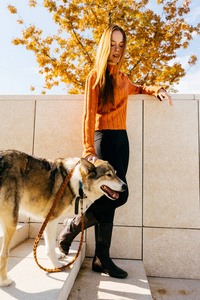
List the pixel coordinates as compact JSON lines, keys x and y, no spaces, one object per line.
{"x":31,"y":184}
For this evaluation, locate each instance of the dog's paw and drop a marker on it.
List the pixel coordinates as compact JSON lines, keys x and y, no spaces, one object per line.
{"x":58,"y":265}
{"x":6,"y":282}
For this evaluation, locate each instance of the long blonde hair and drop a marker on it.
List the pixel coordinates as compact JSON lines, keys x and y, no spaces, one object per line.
{"x":106,"y":82}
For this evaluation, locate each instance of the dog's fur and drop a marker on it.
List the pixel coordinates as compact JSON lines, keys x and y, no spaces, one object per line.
{"x":31,"y":184}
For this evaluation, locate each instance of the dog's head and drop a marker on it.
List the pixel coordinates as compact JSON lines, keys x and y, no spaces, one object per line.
{"x":100,"y":179}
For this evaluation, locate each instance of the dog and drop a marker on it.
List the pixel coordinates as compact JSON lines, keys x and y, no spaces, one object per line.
{"x":30,"y":184}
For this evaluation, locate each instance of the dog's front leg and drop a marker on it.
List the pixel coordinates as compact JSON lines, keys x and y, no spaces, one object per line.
{"x":50,"y":241}
{"x":9,"y":232}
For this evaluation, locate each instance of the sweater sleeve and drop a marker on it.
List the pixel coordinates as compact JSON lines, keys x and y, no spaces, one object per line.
{"x":89,"y":116}
{"x":139,"y":89}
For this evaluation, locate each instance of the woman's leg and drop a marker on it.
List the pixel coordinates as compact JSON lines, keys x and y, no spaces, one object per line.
{"x":113,"y":147}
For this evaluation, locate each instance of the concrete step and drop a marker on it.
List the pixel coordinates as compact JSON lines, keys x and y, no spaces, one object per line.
{"x":91,"y":286}
{"x":32,"y":283}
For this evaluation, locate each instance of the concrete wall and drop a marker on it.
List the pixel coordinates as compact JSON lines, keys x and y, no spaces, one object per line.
{"x":160,"y":222}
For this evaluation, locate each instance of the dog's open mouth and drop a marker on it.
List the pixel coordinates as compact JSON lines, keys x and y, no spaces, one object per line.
{"x":112,"y":194}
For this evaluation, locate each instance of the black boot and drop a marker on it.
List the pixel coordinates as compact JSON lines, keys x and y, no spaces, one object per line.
{"x":102,"y":261}
{"x":73,"y":228}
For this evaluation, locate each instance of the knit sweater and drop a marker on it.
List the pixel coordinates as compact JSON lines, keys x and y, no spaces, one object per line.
{"x":95,"y":119}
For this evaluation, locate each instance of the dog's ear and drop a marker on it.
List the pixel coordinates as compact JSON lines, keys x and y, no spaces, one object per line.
{"x":87,"y":167}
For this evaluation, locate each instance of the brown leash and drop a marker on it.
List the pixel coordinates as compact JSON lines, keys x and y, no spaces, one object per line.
{"x":58,"y":196}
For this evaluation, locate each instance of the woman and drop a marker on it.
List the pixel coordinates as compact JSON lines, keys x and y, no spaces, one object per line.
{"x":104,"y":136}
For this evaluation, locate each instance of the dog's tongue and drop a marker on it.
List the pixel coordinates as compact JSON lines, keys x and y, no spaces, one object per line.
{"x":112,"y":193}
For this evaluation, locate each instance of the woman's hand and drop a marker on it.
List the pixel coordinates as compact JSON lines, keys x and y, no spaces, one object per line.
{"x":91,"y":158}
{"x":163,"y":94}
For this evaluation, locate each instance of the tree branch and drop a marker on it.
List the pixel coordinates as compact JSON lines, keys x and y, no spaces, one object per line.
{"x":79,"y":42}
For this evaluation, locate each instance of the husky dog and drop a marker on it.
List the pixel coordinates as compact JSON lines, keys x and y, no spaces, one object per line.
{"x":31,"y":184}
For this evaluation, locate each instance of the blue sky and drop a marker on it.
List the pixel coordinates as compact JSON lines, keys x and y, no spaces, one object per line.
{"x":19,"y":69}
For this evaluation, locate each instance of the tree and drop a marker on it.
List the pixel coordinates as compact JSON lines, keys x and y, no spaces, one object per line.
{"x":152,"y":40}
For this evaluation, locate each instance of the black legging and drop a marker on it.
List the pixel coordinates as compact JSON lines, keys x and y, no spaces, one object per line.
{"x":113,"y":146}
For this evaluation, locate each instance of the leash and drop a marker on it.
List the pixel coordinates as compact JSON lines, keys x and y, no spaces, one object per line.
{"x":58,"y":196}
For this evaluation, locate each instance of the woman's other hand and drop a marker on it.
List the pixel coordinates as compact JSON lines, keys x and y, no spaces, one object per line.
{"x":164,"y":95}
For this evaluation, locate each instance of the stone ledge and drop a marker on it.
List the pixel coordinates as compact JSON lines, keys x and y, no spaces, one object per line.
{"x":32,"y":283}
{"x":90,"y":285}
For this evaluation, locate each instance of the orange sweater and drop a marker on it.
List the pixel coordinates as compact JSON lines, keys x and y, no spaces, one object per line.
{"x":94,"y":119}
